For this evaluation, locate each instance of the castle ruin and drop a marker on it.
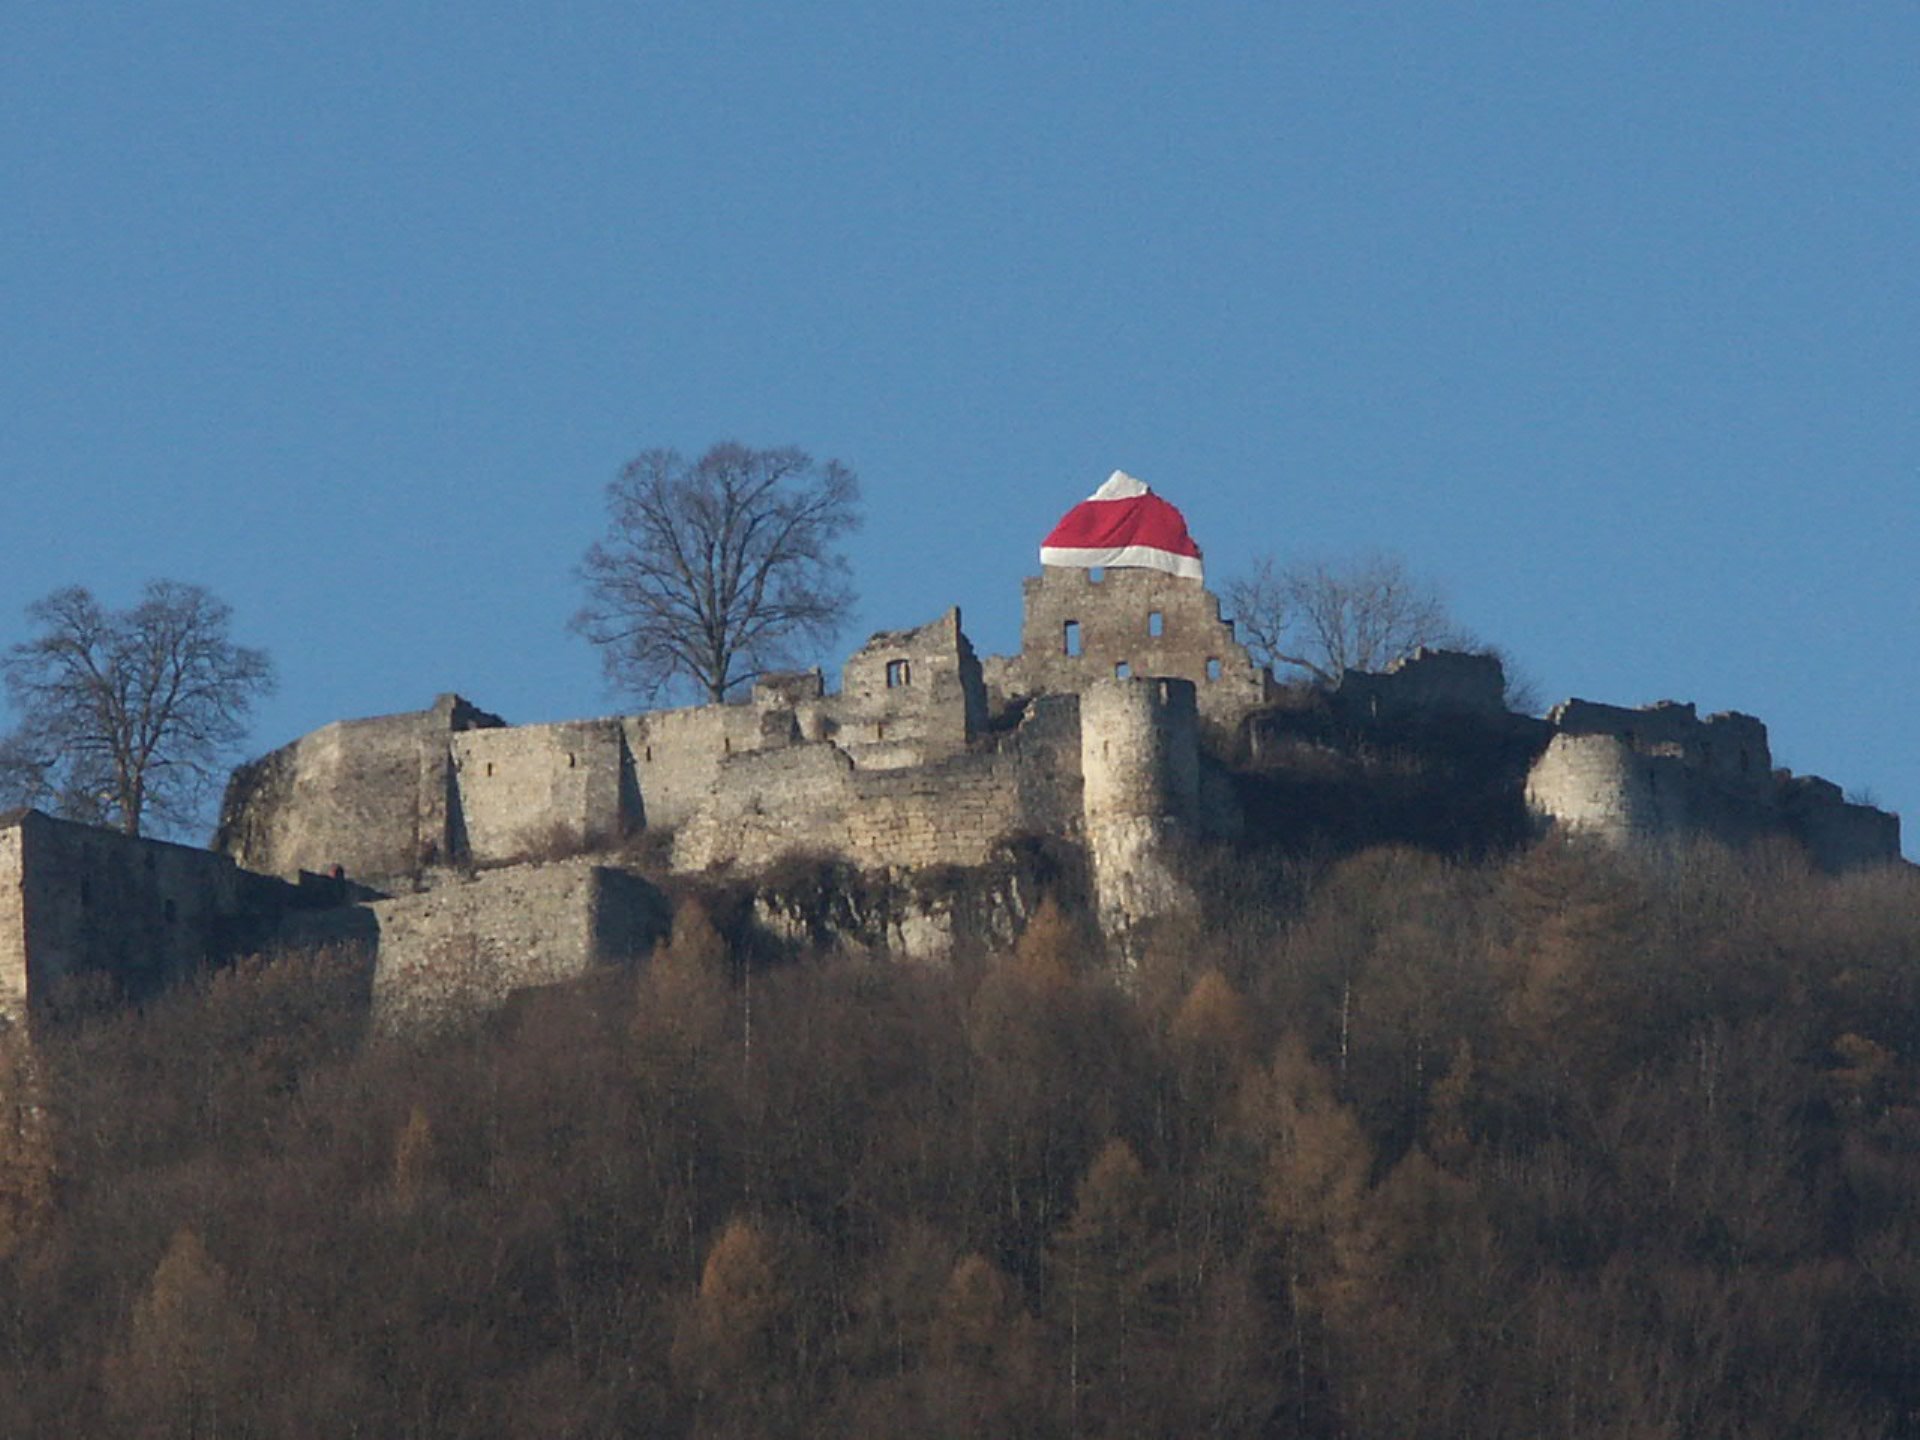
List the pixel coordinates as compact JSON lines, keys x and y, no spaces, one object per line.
{"x":470,"y":857}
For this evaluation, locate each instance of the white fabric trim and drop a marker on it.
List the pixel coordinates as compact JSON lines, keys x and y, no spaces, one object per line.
{"x":1143,"y":557}
{"x":1119,"y":486}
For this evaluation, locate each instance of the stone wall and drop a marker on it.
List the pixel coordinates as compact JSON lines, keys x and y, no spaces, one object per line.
{"x":812,"y":800}
{"x":13,"y":917}
{"x":913,"y":695}
{"x":1838,"y":835}
{"x":1081,"y":626}
{"x":371,"y":796}
{"x":1044,"y":746}
{"x":1602,"y":784}
{"x":677,"y":754}
{"x":1597,"y":784}
{"x":461,"y":948}
{"x":79,"y":901}
{"x":1729,"y":745}
{"x":532,"y":790}
{"x":1425,"y":683}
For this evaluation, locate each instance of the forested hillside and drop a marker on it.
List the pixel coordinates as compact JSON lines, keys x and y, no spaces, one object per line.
{"x":1564,"y":1144}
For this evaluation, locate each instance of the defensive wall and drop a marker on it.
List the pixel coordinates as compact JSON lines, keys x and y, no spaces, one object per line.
{"x":927,"y":755}
{"x":1130,"y":724}
{"x":1426,"y":684}
{"x":1660,"y":773}
{"x":462,"y":948}
{"x":383,"y":799}
{"x":83,"y":907}
{"x":372,"y":795}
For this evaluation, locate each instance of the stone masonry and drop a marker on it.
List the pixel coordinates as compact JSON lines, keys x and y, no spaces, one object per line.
{"x":488,"y":856}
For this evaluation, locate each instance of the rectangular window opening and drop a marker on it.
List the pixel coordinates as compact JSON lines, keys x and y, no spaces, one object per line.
{"x":899,"y":673}
{"x":1071,"y":637}
{"x":1123,"y":671}
{"x":1156,"y":624}
{"x":1213,"y":668}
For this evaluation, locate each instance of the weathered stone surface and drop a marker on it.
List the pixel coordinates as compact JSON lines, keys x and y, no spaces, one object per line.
{"x":370,"y":796}
{"x":461,"y":948}
{"x":78,"y":901}
{"x":1085,"y":625}
{"x":1426,"y":683}
{"x":1140,"y":760}
{"x":1661,"y":773}
{"x":541,"y":790}
{"x":1130,"y":724}
{"x":916,"y":692}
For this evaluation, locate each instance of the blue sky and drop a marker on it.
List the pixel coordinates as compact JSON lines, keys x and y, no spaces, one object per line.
{"x":1605,"y":317}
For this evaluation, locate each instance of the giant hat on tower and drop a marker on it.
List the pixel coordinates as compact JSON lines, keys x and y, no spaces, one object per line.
{"x":1123,"y":523}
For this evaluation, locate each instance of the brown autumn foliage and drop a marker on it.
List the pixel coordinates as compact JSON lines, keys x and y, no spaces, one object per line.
{"x":1562,"y":1144}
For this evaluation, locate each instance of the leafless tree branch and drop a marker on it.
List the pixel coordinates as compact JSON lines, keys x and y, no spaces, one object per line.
{"x":717,"y":571}
{"x":1323,"y":618}
{"x":127,"y":716}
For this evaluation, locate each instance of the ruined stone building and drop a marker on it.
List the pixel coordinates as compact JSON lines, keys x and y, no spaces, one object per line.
{"x":471,"y":856}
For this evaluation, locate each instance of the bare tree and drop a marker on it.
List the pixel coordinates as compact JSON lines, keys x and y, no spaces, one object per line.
{"x":1328,"y":617}
{"x":717,"y":571}
{"x":127,"y":715}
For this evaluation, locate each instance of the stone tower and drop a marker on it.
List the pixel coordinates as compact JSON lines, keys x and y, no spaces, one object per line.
{"x":1140,"y":766}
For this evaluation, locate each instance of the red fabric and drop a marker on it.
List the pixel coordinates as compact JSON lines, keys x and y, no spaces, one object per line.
{"x":1111,"y":524}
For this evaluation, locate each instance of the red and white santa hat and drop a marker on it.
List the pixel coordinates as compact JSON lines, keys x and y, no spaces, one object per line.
{"x":1123,"y":523}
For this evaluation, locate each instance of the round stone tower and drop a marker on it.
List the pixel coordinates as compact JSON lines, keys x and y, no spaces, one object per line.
{"x":1140,"y":764}
{"x":1599,"y":785}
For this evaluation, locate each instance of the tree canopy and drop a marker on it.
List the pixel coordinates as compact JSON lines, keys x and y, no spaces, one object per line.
{"x":714,"y":571}
{"x":1565,"y":1143}
{"x":125,"y":716}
